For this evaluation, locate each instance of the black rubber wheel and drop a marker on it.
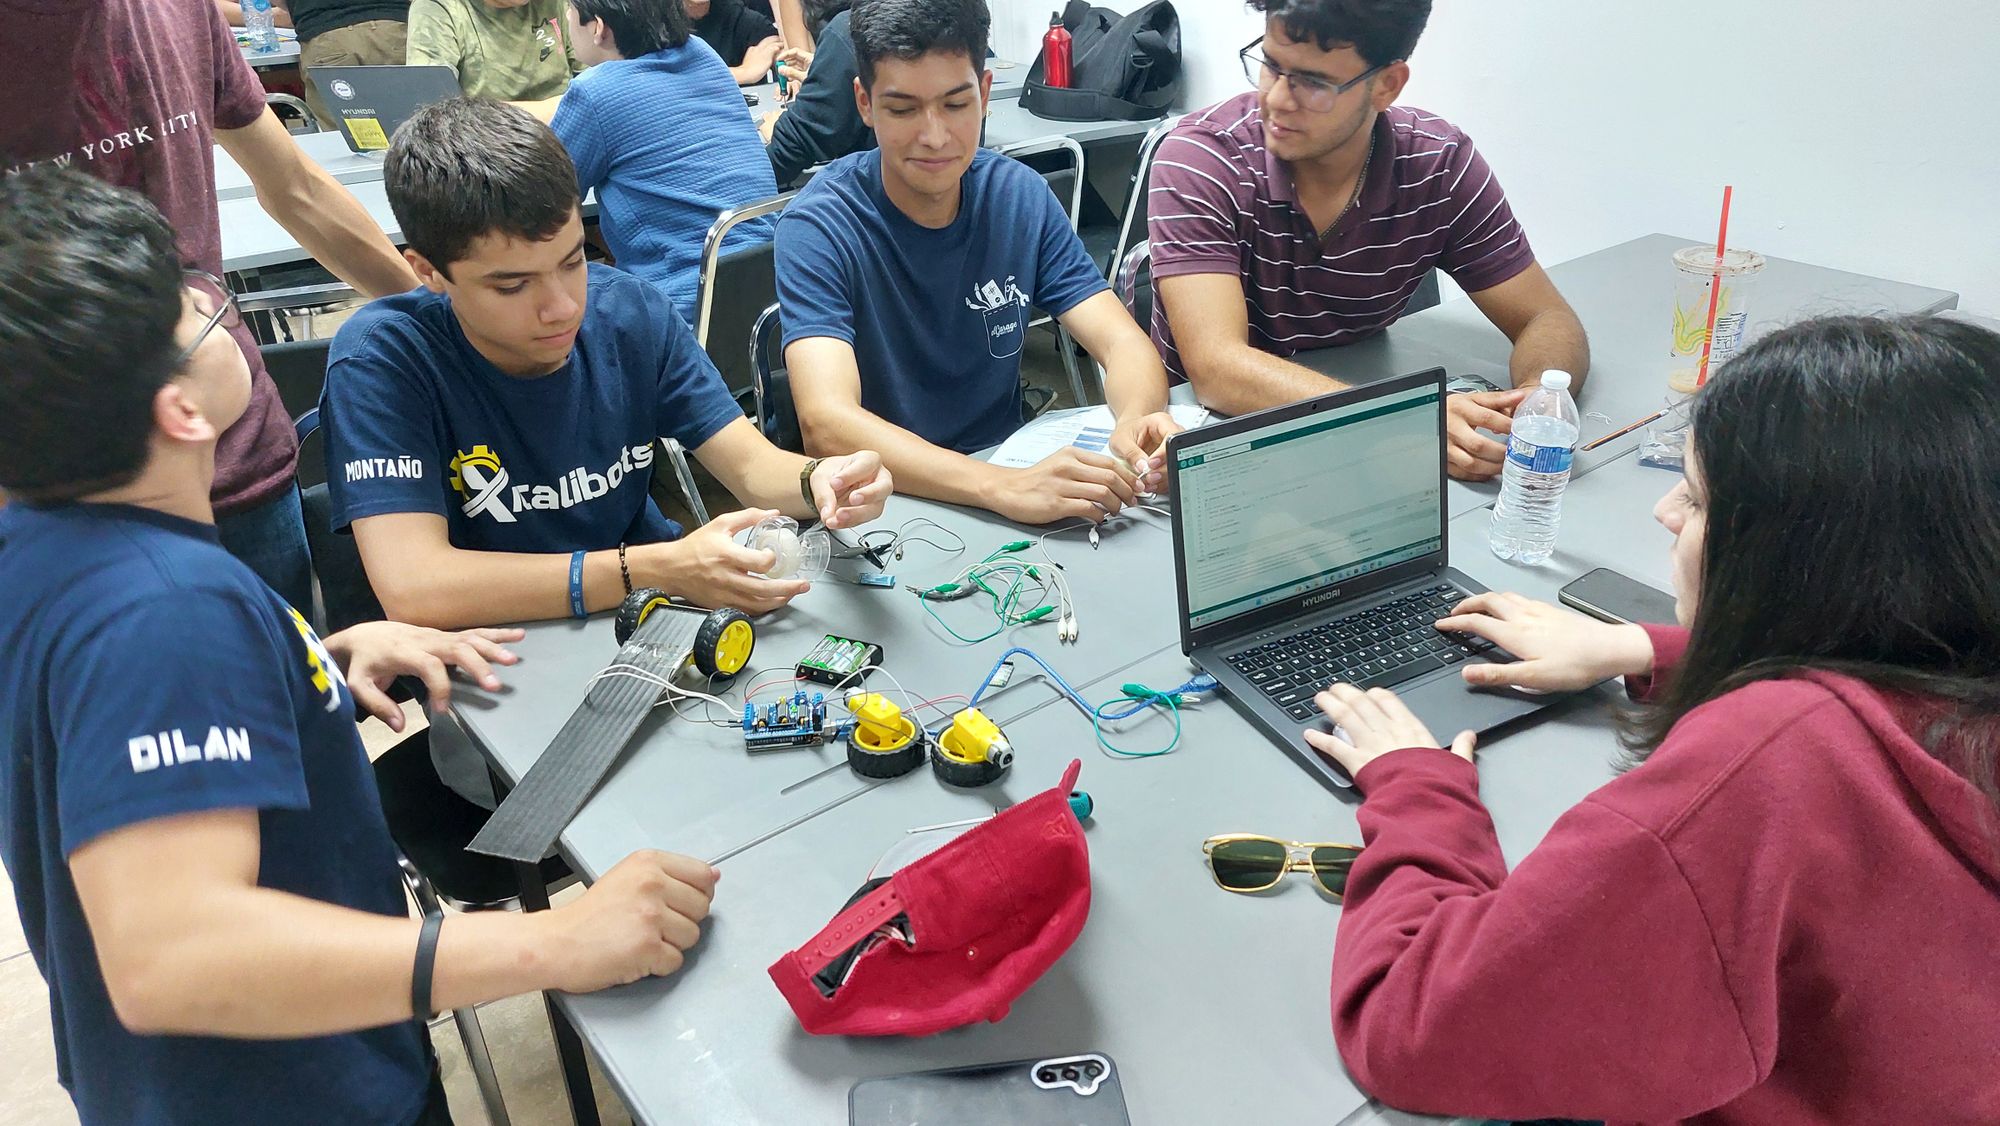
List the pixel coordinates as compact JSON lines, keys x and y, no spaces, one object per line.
{"x":635,"y":608}
{"x":887,"y":764}
{"x":723,"y":646}
{"x":964,"y":775}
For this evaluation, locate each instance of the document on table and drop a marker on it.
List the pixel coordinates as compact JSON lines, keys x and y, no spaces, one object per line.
{"x":1086,"y":428}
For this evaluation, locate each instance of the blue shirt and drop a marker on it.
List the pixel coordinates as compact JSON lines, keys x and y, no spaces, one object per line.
{"x":665,"y":142}
{"x":148,"y":673}
{"x":936,"y":317}
{"x":418,"y":421}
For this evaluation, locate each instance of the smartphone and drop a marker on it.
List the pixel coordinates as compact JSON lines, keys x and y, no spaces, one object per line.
{"x":1460,"y":384}
{"x":1076,"y":1090}
{"x":1607,"y":595}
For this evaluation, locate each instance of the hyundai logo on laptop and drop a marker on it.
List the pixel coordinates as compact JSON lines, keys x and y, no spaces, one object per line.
{"x":1316,"y":599}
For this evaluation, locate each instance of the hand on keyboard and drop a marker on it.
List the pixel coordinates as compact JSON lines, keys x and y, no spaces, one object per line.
{"x":1374,"y":723}
{"x":1558,"y":651}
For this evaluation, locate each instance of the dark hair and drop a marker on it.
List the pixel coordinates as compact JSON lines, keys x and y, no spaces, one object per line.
{"x":911,"y":29}
{"x":640,"y":26}
{"x":1380,"y":31}
{"x":90,"y":295}
{"x":464,"y":168}
{"x":1851,"y":475}
{"x":819,"y":13}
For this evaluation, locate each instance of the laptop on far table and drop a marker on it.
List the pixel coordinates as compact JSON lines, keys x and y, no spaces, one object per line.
{"x":370,"y":102}
{"x":1309,"y":547}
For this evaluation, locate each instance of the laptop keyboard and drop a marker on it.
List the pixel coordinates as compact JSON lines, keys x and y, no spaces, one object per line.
{"x":1379,"y":647}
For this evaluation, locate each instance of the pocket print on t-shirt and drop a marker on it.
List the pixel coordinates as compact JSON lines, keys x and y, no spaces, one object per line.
{"x":1002,"y":305}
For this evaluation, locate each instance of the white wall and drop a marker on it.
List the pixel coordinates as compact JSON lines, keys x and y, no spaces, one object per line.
{"x":1860,"y":135}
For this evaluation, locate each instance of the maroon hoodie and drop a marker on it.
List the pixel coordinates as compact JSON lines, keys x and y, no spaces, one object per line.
{"x":1789,"y":914}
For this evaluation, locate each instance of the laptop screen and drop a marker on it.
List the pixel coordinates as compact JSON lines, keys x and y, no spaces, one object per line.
{"x":1279,"y":511}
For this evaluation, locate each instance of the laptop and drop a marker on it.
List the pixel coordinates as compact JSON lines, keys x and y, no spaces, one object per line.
{"x":370,"y":102}
{"x":1309,"y":547}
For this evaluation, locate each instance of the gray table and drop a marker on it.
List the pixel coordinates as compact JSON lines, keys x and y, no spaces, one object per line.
{"x":1622,"y":294}
{"x":717,"y":1043}
{"x":329,"y":150}
{"x":287,"y":53}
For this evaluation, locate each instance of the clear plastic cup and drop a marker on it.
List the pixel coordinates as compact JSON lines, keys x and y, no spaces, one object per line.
{"x":1694,"y":271}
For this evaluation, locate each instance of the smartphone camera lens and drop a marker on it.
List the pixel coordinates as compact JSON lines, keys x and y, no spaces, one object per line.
{"x":1093,"y":1069}
{"x":1071,"y":1074}
{"x":1046,"y":1075}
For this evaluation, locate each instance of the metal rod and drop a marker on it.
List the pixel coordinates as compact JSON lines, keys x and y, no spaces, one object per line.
{"x":793,"y":823}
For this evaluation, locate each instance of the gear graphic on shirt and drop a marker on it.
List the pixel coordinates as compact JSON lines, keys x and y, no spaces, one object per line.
{"x":480,"y":479}
{"x":481,"y":456}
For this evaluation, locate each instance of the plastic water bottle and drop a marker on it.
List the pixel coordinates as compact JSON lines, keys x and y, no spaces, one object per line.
{"x":263,"y":34}
{"x":1539,"y":453}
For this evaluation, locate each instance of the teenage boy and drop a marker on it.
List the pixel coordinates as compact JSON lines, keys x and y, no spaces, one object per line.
{"x":1305,"y":214}
{"x":746,"y":38}
{"x":656,"y":128}
{"x":188,"y":817}
{"x":820,"y":123}
{"x":514,"y":50}
{"x":139,"y":93}
{"x":490,"y":436}
{"x":906,"y":275}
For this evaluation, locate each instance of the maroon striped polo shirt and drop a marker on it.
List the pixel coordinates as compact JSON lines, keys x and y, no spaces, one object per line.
{"x":1220,"y":204}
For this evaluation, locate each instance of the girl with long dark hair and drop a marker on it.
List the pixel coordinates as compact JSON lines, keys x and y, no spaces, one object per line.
{"x":1789,"y":909}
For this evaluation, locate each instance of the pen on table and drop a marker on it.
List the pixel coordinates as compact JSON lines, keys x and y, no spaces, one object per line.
{"x":1621,"y":431}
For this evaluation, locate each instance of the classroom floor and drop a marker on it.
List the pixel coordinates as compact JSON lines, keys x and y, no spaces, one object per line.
{"x":517,"y":1030}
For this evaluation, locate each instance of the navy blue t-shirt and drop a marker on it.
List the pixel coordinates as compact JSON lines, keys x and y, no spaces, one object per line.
{"x":418,"y":421}
{"x":148,"y":673}
{"x":936,"y":317}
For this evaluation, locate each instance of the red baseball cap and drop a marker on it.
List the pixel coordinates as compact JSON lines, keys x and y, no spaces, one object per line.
{"x":954,"y":937}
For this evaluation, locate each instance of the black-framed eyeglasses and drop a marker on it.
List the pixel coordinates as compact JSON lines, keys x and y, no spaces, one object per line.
{"x":1312,"y":91}
{"x":220,"y":298}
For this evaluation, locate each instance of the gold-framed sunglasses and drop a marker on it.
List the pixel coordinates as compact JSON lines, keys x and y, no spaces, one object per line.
{"x":1251,"y":862}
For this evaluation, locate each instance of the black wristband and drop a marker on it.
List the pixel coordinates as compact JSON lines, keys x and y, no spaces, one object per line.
{"x":624,"y":572}
{"x":420,"y":975}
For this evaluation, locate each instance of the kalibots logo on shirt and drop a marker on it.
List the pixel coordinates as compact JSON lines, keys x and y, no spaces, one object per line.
{"x":488,"y":489}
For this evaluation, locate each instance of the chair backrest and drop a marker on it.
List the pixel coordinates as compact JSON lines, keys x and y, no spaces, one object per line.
{"x":1132,"y":228}
{"x":1066,"y":179}
{"x":733,"y":286}
{"x":345,"y":597}
{"x":1132,"y":282}
{"x":771,"y":386}
{"x":298,"y":367}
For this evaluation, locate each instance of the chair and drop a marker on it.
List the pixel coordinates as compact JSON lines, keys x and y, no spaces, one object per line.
{"x":1130,"y":266}
{"x":292,"y":106}
{"x":771,"y":385}
{"x":1075,"y":177}
{"x":731,"y":289}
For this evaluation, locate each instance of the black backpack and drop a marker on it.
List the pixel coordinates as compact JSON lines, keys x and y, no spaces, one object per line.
{"x":1122,"y":68}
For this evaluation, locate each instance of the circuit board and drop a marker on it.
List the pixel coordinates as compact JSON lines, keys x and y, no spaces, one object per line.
{"x":799,"y":720}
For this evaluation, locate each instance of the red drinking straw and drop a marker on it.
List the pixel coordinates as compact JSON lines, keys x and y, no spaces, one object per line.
{"x":1715,"y":286}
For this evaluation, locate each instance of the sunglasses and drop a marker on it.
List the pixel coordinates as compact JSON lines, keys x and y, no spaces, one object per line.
{"x":1247,"y":862}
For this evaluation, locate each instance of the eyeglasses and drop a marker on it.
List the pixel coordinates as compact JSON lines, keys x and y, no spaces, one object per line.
{"x":1312,"y":91}
{"x":220,"y":299}
{"x":1247,"y":862}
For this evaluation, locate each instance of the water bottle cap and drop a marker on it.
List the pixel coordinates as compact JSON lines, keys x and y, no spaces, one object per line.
{"x":1556,"y":380}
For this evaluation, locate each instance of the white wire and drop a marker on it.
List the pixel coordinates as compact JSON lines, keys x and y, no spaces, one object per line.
{"x":914,"y":701}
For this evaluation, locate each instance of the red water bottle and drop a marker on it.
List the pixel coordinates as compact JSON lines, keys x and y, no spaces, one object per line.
{"x":1055,"y":54}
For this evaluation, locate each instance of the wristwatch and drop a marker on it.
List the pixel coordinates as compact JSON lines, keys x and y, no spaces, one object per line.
{"x":806,"y":484}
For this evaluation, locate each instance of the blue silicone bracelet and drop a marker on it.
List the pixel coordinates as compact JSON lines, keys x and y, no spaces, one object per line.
{"x":576,"y":609}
